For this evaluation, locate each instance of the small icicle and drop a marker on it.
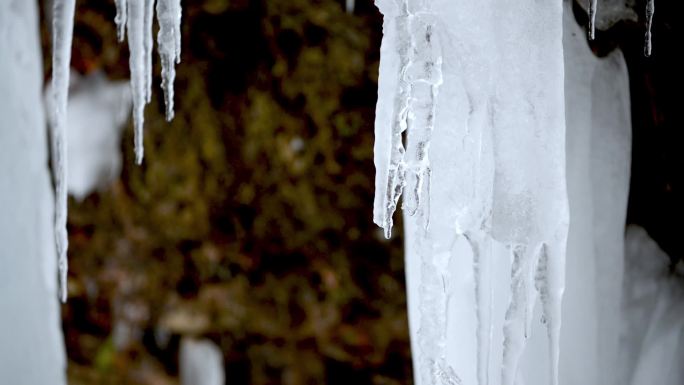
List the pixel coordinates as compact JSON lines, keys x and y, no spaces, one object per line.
{"x":519,"y":313}
{"x":592,"y":19}
{"x":120,"y":18}
{"x":650,"y":10}
{"x":136,"y":45}
{"x":168,"y":40}
{"x":481,"y":247}
{"x":62,"y":33}
{"x":350,"y":6}
{"x":550,"y":284}
{"x":148,"y":42}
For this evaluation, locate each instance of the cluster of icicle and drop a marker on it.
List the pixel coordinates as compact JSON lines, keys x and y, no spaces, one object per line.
{"x":135,"y":17}
{"x":650,"y":10}
{"x":470,"y":121}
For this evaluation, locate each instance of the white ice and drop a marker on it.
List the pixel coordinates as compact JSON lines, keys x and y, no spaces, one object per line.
{"x":476,"y":132}
{"x":139,"y":15}
{"x":31,"y":341}
{"x":598,"y":120}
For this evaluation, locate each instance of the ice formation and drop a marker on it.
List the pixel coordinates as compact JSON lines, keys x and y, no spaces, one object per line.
{"x":598,"y":121}
{"x":650,"y":9}
{"x":496,"y":245}
{"x":134,"y":17}
{"x":62,"y":30}
{"x":475,"y":135}
{"x":31,"y":340}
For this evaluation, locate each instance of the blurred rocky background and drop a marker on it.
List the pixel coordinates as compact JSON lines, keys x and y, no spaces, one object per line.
{"x":249,"y":223}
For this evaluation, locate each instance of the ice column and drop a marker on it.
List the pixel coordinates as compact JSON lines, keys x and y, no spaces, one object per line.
{"x":470,"y":127}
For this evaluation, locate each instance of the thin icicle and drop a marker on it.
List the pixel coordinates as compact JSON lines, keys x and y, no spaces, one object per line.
{"x":592,"y":19}
{"x":120,"y":18}
{"x":518,"y":318}
{"x":62,"y":32}
{"x":650,"y":10}
{"x":148,"y":42}
{"x":136,"y":45}
{"x":550,"y":286}
{"x":168,"y":40}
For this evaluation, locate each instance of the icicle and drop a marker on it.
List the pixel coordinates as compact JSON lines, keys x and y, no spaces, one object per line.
{"x":147,"y":46}
{"x":550,"y":286}
{"x":168,"y":40}
{"x":424,"y":75}
{"x":120,"y":18}
{"x":418,"y":79}
{"x":136,"y":45}
{"x":592,"y":19}
{"x":518,"y":318}
{"x":350,"y":6}
{"x":396,"y":172}
{"x":650,"y":10}
{"x":62,"y":32}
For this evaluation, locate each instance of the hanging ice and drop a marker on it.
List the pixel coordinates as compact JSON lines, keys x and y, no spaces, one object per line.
{"x":592,"y":19}
{"x":138,"y":18}
{"x":168,"y":40}
{"x":481,"y":106}
{"x":120,"y":18}
{"x":650,"y":9}
{"x":147,"y":47}
{"x":62,"y":32}
{"x":136,"y":44}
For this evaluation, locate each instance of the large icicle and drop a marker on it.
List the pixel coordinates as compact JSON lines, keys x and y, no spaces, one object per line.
{"x":168,"y":40}
{"x":62,"y":32}
{"x":488,"y":154}
{"x":650,"y":10}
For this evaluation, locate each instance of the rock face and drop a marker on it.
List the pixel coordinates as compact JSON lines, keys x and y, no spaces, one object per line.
{"x":31,"y":346}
